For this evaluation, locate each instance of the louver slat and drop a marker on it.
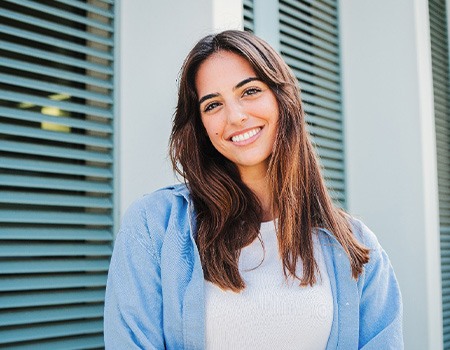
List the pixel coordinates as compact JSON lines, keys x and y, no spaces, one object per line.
{"x":38,"y":249}
{"x":328,"y":118}
{"x":331,"y":3}
{"x":53,"y":200}
{"x":53,"y":217}
{"x":54,"y":167}
{"x":320,"y":101}
{"x":327,"y":143}
{"x":76,"y":342}
{"x":51,"y":297}
{"x":54,"y":234}
{"x":45,"y":102}
{"x":440,"y":65}
{"x":316,"y":11}
{"x":53,"y":282}
{"x":53,"y":265}
{"x":325,"y":133}
{"x":319,"y":92}
{"x":42,"y":118}
{"x":10,"y":129}
{"x":57,"y":171}
{"x":320,"y":42}
{"x":248,"y":16}
{"x":87,"y":7}
{"x":57,"y":184}
{"x":52,"y":10}
{"x":24,"y":34}
{"x":60,"y":152}
{"x":318,"y":28}
{"x":55,"y":73}
{"x":55,"y":27}
{"x":48,"y":315}
{"x":318,"y":65}
{"x":55,"y":57}
{"x":307,"y":75}
{"x":43,"y":86}
{"x":53,"y":330}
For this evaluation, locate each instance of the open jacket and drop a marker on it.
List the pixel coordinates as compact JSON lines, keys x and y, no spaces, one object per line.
{"x":155,"y":296}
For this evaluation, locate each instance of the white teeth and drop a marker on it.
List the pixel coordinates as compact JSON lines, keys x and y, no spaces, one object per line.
{"x":245,"y":136}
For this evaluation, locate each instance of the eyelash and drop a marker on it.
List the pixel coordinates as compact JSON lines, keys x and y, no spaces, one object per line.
{"x":249,"y":92}
{"x":211,"y":106}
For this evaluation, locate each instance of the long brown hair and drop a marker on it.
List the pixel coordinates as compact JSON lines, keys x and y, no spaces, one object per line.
{"x":228,"y":212}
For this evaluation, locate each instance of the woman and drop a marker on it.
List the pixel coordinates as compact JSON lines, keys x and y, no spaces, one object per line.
{"x":250,"y":253}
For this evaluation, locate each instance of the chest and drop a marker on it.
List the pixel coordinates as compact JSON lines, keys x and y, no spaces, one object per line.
{"x":272,"y":311}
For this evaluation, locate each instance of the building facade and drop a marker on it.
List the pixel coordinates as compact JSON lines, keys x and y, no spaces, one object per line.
{"x":87,"y":92}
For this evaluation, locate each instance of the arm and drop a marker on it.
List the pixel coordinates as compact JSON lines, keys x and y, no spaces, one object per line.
{"x":133,"y":302}
{"x":381,"y":303}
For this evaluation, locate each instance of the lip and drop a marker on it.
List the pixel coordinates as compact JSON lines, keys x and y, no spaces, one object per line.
{"x":242,"y":132}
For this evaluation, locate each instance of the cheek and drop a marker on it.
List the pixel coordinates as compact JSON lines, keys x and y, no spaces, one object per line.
{"x":212,"y":129}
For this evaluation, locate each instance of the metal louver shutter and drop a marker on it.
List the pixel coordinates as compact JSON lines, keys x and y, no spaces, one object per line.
{"x":309,"y":44}
{"x":56,"y":171}
{"x":440,"y":64}
{"x":248,"y":16}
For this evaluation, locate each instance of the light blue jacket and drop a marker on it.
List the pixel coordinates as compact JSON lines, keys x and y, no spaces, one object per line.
{"x":155,"y":296}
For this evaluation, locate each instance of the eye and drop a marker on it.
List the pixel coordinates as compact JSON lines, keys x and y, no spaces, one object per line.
{"x":251,"y":91}
{"x":211,"y":106}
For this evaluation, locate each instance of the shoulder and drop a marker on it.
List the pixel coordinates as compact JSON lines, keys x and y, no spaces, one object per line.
{"x":380,"y":303}
{"x":366,"y":238}
{"x":364,"y":234}
{"x":147,"y":218}
{"x":361,"y":232}
{"x":379,"y":263}
{"x":155,"y":205}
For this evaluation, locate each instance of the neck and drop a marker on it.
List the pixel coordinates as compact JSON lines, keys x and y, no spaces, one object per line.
{"x":258,"y":182}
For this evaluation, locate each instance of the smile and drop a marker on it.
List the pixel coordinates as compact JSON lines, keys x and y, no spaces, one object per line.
{"x":246,"y":135}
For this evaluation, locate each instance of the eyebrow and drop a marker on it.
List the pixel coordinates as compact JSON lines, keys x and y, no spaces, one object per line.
{"x":238,"y":85}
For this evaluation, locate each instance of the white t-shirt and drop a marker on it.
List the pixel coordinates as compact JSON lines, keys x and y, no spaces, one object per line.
{"x":271,"y":312}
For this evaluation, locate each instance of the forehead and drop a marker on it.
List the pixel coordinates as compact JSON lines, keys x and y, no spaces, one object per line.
{"x":222,"y":70}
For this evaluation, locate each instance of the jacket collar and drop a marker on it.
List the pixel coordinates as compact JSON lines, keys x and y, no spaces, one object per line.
{"x":181,"y":189}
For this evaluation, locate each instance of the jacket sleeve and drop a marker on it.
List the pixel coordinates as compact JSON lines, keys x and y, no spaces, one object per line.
{"x":381,"y":303}
{"x":133,"y":301}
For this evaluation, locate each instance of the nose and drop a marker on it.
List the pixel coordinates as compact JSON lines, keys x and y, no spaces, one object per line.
{"x":236,"y":114}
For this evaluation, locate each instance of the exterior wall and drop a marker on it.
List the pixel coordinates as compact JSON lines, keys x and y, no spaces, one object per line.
{"x":155,"y":37}
{"x":153,"y":41}
{"x":390,"y":149}
{"x":267,"y":25}
{"x":388,"y":114}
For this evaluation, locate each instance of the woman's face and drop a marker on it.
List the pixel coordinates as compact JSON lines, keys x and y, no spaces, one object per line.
{"x":238,"y":111}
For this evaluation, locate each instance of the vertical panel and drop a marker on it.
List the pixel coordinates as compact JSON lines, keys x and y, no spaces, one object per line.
{"x":57,"y":166}
{"x":248,"y":16}
{"x":440,"y":64}
{"x":309,"y":43}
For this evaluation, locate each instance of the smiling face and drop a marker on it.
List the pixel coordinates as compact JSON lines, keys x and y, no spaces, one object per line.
{"x":238,"y":111}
